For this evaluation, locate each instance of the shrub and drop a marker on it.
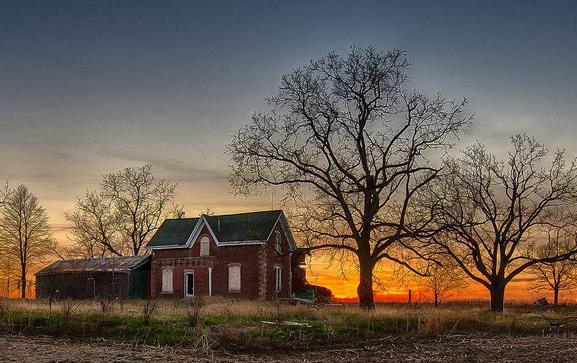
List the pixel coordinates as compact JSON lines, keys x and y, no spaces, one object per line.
{"x":195,"y":308}
{"x":69,"y":306}
{"x":149,"y":310}
{"x":106,"y":304}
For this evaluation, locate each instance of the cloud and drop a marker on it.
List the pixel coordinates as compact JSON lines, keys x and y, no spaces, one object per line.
{"x":175,"y":169}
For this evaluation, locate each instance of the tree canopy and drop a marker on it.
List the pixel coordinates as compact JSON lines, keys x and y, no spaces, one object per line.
{"x":347,"y":136}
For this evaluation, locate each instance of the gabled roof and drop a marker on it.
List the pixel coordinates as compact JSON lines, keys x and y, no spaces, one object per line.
{"x":117,"y":264}
{"x":173,"y":231}
{"x":255,"y":226}
{"x":228,"y":229}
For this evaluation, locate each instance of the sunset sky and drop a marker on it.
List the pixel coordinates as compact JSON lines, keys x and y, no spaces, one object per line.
{"x":88,"y":87}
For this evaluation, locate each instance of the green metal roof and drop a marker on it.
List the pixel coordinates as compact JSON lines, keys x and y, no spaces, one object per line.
{"x":255,"y":226}
{"x":173,"y":232}
{"x":243,"y":227}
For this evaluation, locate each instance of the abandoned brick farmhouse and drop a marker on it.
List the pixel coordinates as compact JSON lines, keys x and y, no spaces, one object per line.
{"x":249,"y":255}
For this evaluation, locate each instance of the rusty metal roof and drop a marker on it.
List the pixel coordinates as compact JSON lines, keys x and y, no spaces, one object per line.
{"x":117,"y":264}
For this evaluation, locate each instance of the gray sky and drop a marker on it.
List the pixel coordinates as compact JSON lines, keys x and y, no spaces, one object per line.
{"x":91,"y":87}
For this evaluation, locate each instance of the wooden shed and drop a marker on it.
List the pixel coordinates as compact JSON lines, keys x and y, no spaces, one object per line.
{"x":108,"y":277}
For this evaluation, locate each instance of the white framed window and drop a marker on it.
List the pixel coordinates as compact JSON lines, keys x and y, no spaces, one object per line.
{"x":167,"y":280}
{"x":278,"y":242}
{"x":234,"y":277}
{"x":278,"y":278}
{"x":204,"y":246}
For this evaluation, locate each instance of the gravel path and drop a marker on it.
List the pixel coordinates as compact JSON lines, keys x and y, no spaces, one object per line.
{"x":451,"y":349}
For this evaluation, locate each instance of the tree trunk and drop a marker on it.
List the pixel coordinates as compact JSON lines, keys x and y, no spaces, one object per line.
{"x":23,"y":283}
{"x":556,"y":296}
{"x":365,"y":288}
{"x":497,"y":298}
{"x":436,"y":301}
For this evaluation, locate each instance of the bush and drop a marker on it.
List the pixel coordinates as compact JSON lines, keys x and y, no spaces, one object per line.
{"x":69,"y":306}
{"x":149,"y":310}
{"x":195,"y":308}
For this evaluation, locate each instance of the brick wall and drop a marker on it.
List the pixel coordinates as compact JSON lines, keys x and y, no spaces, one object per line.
{"x":282,"y":260}
{"x":188,"y":260}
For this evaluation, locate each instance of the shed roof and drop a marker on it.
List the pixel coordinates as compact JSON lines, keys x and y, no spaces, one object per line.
{"x":117,"y":264}
{"x":239,"y":228}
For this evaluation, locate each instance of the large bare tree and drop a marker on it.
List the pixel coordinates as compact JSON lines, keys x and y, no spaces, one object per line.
{"x":121,"y":217}
{"x":495,"y":212}
{"x":556,"y":276}
{"x":25,"y":236}
{"x":346,"y":136}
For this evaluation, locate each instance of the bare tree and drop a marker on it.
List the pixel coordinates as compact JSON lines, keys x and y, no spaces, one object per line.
{"x":25,"y":236}
{"x":442,"y":280}
{"x":4,"y":193}
{"x":555,"y":276}
{"x":124,"y":214}
{"x":96,"y":228}
{"x":345,"y":136}
{"x":493,"y":210}
{"x":5,"y":265}
{"x":177,"y":212}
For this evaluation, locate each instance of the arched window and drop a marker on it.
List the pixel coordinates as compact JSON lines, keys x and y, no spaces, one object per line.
{"x":204,"y":246}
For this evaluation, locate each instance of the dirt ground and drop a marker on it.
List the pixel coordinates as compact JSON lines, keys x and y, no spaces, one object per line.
{"x":450,"y":349}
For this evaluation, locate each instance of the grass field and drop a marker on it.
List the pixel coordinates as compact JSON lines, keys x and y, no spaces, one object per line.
{"x":250,"y":326}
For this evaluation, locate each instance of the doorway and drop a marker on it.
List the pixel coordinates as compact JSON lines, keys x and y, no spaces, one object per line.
{"x":188,"y":284}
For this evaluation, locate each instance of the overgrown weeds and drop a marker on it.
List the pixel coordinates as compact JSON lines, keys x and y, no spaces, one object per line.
{"x":148,"y":310}
{"x":195,"y":308}
{"x":203,"y":323}
{"x":69,"y":306}
{"x":106,"y":304}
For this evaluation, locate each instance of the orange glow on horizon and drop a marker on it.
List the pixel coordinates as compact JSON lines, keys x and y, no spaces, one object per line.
{"x":344,"y":288}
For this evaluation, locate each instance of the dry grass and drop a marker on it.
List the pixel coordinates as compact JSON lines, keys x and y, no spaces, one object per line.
{"x":252,"y":325}
{"x":429,"y":319}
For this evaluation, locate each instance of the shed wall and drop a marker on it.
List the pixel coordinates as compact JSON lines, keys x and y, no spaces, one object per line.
{"x":87,"y":285}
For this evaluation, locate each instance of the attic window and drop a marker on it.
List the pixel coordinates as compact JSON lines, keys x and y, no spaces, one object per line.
{"x":204,"y":246}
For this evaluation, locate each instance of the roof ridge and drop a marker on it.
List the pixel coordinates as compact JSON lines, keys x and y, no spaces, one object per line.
{"x":180,"y":219}
{"x":244,"y":213}
{"x":100,"y":257}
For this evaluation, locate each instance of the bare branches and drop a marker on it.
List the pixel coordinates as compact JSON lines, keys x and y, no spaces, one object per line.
{"x":25,"y":236}
{"x":556,"y":276}
{"x":492,"y":211}
{"x":443,"y":280}
{"x":124,"y":214}
{"x":96,"y":227}
{"x":345,"y":135}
